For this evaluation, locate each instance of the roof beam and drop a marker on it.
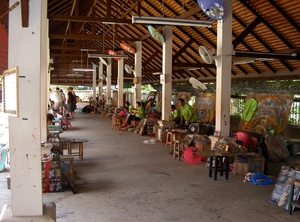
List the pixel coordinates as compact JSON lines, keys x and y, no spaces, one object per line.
{"x":285,"y":15}
{"x":88,"y":37}
{"x":183,"y":49}
{"x":246,"y":31}
{"x":250,"y":8}
{"x":25,"y":13}
{"x":271,"y":55}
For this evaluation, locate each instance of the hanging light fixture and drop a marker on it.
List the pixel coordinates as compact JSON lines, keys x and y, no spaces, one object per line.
{"x":81,"y":69}
{"x":149,"y":20}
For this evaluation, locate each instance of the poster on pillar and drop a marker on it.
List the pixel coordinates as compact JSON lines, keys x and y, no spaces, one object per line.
{"x":205,"y":107}
{"x":114,"y":98}
{"x":183,"y":95}
{"x":266,"y":113}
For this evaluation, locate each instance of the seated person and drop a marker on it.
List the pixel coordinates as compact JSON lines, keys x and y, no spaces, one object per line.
{"x":188,"y":114}
{"x":50,"y":118}
{"x":128,"y":106}
{"x":139,"y":114}
{"x":175,"y":115}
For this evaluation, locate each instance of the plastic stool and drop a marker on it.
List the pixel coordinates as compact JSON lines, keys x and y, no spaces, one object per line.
{"x":293,"y":202}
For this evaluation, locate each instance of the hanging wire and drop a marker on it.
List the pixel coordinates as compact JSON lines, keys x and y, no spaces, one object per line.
{"x":182,"y":8}
{"x":113,"y":37}
{"x":102,"y":38}
{"x":163,"y":6}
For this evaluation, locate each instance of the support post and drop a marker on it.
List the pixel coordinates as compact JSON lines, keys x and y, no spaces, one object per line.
{"x":138,"y":71}
{"x":167,"y":72}
{"x":25,"y":130}
{"x":223,"y":87}
{"x":100,"y":85}
{"x":120,"y":82}
{"x":94,"y":83}
{"x":108,"y":81}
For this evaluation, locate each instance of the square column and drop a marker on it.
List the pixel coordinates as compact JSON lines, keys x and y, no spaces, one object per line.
{"x":94,"y":83}
{"x":108,"y":82}
{"x":28,"y":51}
{"x":120,"y":82}
{"x":100,"y":84}
{"x":138,"y":71}
{"x":223,"y":86}
{"x":167,"y":72}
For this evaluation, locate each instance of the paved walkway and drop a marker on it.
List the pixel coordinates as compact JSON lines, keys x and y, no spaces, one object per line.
{"x":122,"y":179}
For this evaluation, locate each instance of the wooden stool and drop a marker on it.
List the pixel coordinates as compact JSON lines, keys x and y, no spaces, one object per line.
{"x":134,"y":123}
{"x":169,"y":139}
{"x":120,"y":120}
{"x":78,"y":153}
{"x":172,"y":136}
{"x":293,"y":202}
{"x":113,"y":122}
{"x":221,"y":164}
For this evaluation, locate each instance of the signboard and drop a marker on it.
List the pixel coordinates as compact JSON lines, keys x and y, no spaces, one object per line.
{"x":10,"y":91}
{"x":162,"y":78}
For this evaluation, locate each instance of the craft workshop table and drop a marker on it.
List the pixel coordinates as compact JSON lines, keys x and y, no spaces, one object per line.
{"x":218,"y":161}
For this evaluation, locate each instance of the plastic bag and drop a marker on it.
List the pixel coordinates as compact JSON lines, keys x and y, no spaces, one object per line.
{"x":260,"y":179}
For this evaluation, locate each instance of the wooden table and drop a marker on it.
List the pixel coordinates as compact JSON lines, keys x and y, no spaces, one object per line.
{"x":221,"y":163}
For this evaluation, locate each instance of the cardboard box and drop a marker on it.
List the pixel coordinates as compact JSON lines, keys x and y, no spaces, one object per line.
{"x":203,"y":146}
{"x":249,"y":163}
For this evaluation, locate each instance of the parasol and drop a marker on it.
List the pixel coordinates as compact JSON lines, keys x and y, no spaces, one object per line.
{"x":190,"y":157}
{"x":127,"y":48}
{"x":112,"y":52}
{"x":156,"y":34}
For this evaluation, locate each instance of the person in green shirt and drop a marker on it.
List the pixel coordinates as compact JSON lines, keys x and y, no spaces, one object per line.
{"x":139,"y":114}
{"x":129,"y":107}
{"x":175,"y":115}
{"x":188,"y":114}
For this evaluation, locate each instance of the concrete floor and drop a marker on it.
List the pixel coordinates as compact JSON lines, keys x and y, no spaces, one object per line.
{"x":122,"y":179}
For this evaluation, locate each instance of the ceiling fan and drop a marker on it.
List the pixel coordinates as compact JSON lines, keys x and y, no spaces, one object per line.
{"x":129,"y":69}
{"x":197,"y":84}
{"x":207,"y":55}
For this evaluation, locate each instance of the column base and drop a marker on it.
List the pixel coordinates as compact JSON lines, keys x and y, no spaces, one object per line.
{"x":48,"y":208}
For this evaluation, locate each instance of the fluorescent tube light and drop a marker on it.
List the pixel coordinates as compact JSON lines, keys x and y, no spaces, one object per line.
{"x":157,"y":73}
{"x":240,"y":62}
{"x":75,"y":74}
{"x":83,"y":70}
{"x":169,"y":21}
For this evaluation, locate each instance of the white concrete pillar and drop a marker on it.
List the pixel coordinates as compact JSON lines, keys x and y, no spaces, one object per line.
{"x":108,"y":81}
{"x":223,"y":87}
{"x":28,"y":51}
{"x":167,"y":72}
{"x":100,"y":85}
{"x":138,"y":71}
{"x":120,"y":82}
{"x":94,"y":83}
